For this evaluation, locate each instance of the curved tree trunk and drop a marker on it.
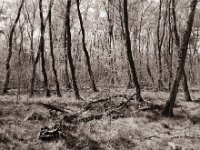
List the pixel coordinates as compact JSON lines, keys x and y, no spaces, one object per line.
{"x":53,"y":58}
{"x":177,"y":42}
{"x":91,"y":76}
{"x":41,"y":47}
{"x":69,"y":45}
{"x":129,"y":54}
{"x":182,"y":52}
{"x":40,"y":52}
{"x":8,"y":69}
{"x":160,"y":44}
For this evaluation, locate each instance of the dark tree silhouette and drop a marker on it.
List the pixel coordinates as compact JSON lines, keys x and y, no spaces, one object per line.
{"x":40,"y":52}
{"x":10,"y":46}
{"x":182,"y":52}
{"x":87,"y":57}
{"x":69,"y":45}
{"x":53,"y":57}
{"x":177,"y":42}
{"x":129,"y":54}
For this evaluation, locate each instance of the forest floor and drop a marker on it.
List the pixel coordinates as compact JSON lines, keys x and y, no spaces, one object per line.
{"x":124,"y":123}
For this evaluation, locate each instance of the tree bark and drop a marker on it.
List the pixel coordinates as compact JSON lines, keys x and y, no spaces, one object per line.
{"x":147,"y":58}
{"x":177,"y":42}
{"x":40,"y":49}
{"x":129,"y":54}
{"x":53,"y":57}
{"x":69,"y":45}
{"x":91,"y":76}
{"x":185,"y":88}
{"x":160,"y":43}
{"x":182,"y":52}
{"x":68,"y":85}
{"x":10,"y":45}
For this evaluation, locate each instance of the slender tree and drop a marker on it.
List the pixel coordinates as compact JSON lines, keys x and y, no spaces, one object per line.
{"x":53,"y":57}
{"x":177,"y":42}
{"x":129,"y":53}
{"x":69,"y":47}
{"x":87,"y":57}
{"x":160,"y":43}
{"x":31,"y":22}
{"x":42,"y":49}
{"x":10,"y":45}
{"x":182,"y":52}
{"x":40,"y":52}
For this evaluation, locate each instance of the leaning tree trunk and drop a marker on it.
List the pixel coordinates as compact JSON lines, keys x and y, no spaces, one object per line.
{"x":53,"y":58}
{"x":40,"y":49}
{"x":160,"y":44}
{"x":129,"y":54}
{"x":91,"y":76}
{"x":69,"y":45}
{"x":185,"y":87}
{"x":182,"y":52}
{"x":177,"y":42}
{"x":8,"y":69}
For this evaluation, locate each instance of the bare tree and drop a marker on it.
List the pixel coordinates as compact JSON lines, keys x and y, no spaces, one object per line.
{"x":40,"y":52}
{"x":160,"y":42}
{"x":129,"y":53}
{"x":182,"y":52}
{"x":177,"y":42}
{"x":53,"y":57}
{"x":31,"y":21}
{"x":69,"y":45}
{"x":91,"y":76}
{"x":8,"y":69}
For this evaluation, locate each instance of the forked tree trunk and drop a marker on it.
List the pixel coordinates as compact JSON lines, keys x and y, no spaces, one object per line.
{"x":87,"y":57}
{"x":177,"y":42}
{"x":182,"y":52}
{"x":10,"y":45}
{"x":129,"y":54}
{"x":69,"y":45}
{"x":53,"y":57}
{"x":40,"y":49}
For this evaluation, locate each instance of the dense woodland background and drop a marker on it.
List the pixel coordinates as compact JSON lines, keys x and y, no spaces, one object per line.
{"x":58,"y":46}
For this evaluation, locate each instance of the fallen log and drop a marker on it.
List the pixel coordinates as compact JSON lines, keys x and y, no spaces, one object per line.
{"x":88,"y":106}
{"x":54,"y":107}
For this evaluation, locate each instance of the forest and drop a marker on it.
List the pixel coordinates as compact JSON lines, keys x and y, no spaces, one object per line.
{"x":99,"y":74}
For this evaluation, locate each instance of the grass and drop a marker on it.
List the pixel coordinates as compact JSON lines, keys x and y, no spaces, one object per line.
{"x":21,"y":121}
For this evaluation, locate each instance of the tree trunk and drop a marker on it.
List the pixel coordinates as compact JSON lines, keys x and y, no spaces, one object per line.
{"x":19,"y":60}
{"x":67,"y":25}
{"x":147,"y":58}
{"x":185,"y":87}
{"x":160,"y":43}
{"x":53,"y":58}
{"x":129,"y":54}
{"x":177,"y":42}
{"x":182,"y":52}
{"x":92,"y":80}
{"x":68,"y":85}
{"x":8,"y":69}
{"x":42,"y":50}
{"x":41,"y":45}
